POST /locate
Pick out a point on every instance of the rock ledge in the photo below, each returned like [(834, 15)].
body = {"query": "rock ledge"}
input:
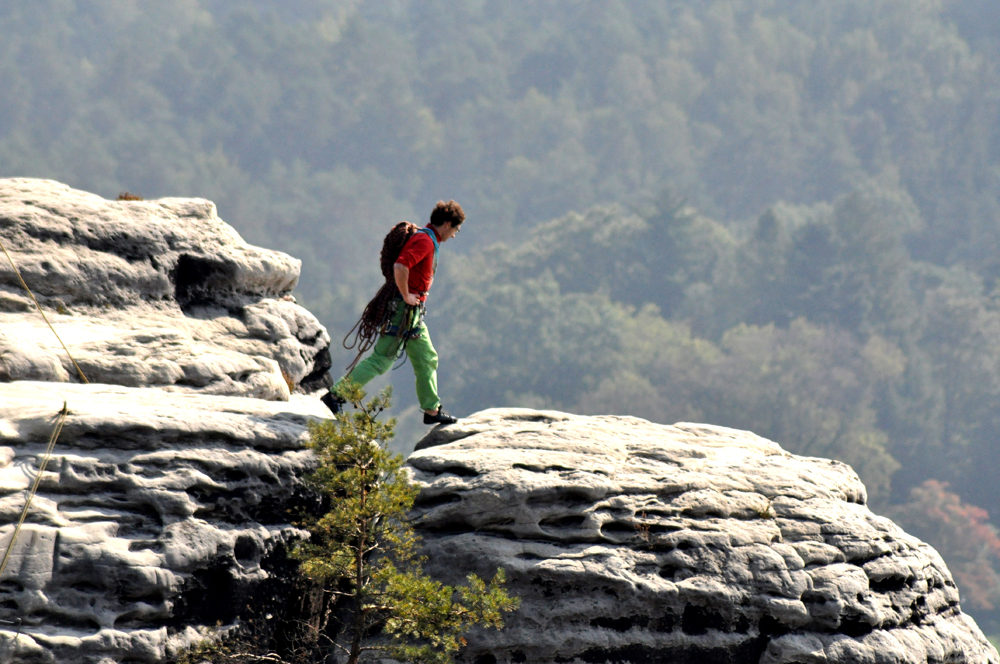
[(635, 542)]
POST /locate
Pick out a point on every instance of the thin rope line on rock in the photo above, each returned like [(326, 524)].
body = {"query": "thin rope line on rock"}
[(55, 432), (44, 317), (34, 486)]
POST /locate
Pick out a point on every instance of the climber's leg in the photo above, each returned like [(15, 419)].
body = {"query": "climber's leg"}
[(424, 359), (383, 356)]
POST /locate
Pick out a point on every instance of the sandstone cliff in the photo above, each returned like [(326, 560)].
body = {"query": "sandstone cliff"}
[(174, 474), (635, 542)]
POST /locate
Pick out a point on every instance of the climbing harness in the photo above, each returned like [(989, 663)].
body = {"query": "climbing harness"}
[(60, 421), (410, 328), (408, 331)]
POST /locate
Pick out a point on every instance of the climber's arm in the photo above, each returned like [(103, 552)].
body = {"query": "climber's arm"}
[(402, 274)]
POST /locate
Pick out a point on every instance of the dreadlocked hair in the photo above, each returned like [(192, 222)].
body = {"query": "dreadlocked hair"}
[(376, 315)]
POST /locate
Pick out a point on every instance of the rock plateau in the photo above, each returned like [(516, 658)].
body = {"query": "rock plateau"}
[(150, 294), (629, 541)]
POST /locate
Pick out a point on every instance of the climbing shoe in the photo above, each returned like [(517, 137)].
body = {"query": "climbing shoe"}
[(333, 402), (440, 417)]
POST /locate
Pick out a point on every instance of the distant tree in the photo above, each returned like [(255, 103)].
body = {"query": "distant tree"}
[(962, 535), (961, 341), (525, 341), (365, 552), (844, 264)]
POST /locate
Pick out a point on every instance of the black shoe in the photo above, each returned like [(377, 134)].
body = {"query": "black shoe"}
[(440, 418), (333, 402)]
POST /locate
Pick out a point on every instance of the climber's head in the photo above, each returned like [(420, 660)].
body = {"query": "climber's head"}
[(447, 218)]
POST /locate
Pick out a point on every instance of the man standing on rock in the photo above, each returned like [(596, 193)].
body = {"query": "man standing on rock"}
[(396, 315)]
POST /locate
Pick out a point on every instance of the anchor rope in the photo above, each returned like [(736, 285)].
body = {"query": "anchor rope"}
[(47, 456), (34, 486), (44, 317)]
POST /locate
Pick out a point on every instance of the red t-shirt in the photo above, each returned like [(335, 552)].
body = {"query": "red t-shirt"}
[(418, 256)]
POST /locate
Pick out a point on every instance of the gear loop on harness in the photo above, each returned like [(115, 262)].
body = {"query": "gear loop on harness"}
[(410, 328), (407, 330)]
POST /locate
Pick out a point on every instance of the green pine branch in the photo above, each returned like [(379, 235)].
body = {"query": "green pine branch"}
[(364, 550)]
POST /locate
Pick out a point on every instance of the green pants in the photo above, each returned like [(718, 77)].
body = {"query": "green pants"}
[(422, 356)]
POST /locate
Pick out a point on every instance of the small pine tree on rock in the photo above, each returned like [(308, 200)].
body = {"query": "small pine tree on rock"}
[(364, 550)]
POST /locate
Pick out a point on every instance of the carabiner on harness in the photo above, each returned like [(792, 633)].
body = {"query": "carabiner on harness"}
[(410, 327)]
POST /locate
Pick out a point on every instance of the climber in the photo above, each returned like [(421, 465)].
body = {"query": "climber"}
[(393, 321)]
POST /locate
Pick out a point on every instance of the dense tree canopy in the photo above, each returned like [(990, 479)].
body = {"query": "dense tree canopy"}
[(302, 118), (768, 214)]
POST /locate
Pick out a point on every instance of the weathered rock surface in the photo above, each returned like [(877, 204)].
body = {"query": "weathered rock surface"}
[(634, 542), (149, 293), (151, 520), (173, 477)]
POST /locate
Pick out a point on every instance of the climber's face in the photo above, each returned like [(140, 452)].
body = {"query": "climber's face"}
[(446, 231)]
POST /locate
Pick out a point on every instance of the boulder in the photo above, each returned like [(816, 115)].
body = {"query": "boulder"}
[(629, 541), (175, 478), (149, 293)]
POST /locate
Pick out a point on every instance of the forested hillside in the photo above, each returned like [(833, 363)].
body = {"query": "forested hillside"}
[(768, 214)]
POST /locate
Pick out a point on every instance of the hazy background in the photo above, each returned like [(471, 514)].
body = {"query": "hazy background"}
[(766, 214)]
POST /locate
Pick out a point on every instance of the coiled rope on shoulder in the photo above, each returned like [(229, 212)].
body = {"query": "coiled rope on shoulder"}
[(376, 315)]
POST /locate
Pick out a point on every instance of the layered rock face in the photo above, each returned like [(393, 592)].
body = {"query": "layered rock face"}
[(175, 471), (149, 293), (152, 519), (634, 542)]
